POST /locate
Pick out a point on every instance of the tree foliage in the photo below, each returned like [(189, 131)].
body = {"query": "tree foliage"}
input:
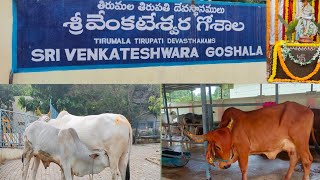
[(128, 100), (6, 97), (155, 105), (187, 95)]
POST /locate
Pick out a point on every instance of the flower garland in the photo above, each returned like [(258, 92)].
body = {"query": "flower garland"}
[(276, 20), (312, 4), (274, 61), (287, 53), (292, 80), (286, 17), (277, 51), (318, 37), (294, 9)]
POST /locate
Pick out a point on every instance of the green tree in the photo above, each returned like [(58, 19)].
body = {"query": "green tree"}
[(6, 97), (128, 100), (155, 105)]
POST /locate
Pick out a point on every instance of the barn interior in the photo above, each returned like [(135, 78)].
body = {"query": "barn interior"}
[(182, 159)]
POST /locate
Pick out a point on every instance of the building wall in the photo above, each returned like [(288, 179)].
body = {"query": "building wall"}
[(227, 73), (9, 154), (5, 40)]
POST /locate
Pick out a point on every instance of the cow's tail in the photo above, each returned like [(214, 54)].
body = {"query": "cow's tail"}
[(129, 149), (316, 145)]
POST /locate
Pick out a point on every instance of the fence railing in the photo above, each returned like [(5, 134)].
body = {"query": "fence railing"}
[(12, 127)]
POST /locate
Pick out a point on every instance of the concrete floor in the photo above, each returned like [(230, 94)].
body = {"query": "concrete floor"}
[(260, 168)]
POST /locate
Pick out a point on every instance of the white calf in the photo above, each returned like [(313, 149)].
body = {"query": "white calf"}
[(110, 132), (63, 147)]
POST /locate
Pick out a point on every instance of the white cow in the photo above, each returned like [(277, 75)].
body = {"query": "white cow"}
[(111, 132), (63, 147), (178, 123)]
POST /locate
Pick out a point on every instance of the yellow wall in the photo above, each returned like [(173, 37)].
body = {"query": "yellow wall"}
[(5, 39), (228, 73)]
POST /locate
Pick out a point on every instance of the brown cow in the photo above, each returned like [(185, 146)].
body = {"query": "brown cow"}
[(270, 130), (316, 127)]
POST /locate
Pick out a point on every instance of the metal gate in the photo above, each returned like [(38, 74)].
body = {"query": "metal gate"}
[(12, 127)]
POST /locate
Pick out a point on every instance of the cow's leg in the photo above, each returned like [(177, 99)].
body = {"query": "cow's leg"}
[(114, 162), (62, 175), (67, 171), (302, 146), (243, 163), (36, 162), (306, 159), (26, 164), (123, 163), (26, 157), (293, 162)]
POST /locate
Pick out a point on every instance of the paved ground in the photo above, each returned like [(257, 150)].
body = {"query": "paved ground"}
[(144, 165), (259, 169)]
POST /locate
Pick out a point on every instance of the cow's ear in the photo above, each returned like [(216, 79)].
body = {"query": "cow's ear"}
[(230, 125), (93, 156)]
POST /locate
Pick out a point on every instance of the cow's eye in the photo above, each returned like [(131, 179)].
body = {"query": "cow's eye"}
[(217, 147)]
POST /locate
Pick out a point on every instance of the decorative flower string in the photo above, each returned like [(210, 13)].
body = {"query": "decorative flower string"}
[(292, 80), (276, 20), (312, 4), (286, 15), (294, 9), (318, 37), (286, 52), (274, 61), (286, 70)]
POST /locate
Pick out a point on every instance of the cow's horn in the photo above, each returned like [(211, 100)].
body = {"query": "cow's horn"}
[(49, 114), (195, 138), (230, 124)]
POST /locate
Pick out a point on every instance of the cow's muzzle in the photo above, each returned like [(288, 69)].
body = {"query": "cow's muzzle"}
[(226, 166)]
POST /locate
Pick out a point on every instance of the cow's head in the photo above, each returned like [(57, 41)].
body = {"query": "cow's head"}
[(220, 145), (44, 118), (100, 157)]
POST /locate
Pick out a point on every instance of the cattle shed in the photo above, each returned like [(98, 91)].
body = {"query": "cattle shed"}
[(211, 108)]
